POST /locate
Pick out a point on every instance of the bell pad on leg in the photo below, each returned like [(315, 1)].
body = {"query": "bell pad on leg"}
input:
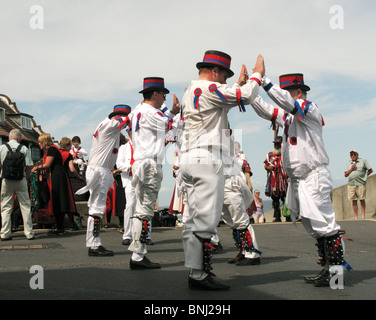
[(243, 240), (207, 254), (144, 231), (97, 226)]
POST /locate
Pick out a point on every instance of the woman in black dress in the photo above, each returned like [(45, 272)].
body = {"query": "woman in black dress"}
[(53, 161), (65, 147)]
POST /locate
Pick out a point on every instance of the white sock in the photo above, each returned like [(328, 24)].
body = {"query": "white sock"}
[(198, 274), (137, 256)]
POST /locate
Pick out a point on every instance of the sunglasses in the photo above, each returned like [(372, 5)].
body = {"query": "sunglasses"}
[(164, 96)]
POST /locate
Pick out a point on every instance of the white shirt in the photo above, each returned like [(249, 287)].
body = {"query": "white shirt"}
[(149, 127), (80, 152), (302, 144), (105, 144), (207, 125), (123, 162)]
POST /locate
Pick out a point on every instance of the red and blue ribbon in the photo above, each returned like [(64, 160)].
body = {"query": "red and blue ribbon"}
[(240, 100), (213, 88), (197, 92), (123, 122), (138, 122), (96, 132), (170, 121)]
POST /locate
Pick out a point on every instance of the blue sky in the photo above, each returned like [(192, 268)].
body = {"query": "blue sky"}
[(93, 54)]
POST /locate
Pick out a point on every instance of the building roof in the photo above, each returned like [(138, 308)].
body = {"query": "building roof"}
[(13, 121)]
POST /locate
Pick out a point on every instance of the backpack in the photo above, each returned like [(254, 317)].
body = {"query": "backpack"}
[(13, 164)]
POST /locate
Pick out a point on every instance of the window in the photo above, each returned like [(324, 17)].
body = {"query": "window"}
[(2, 115), (25, 122), (35, 153)]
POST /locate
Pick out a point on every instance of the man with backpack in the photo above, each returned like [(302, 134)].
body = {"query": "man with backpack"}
[(15, 159)]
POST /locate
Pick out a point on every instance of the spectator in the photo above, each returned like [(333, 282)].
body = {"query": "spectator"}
[(258, 208), (78, 154), (65, 147), (53, 161), (10, 188), (357, 170)]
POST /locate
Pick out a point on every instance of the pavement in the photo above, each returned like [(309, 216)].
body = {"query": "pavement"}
[(58, 267)]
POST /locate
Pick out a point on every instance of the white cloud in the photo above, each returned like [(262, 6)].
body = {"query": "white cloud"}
[(355, 117), (94, 49)]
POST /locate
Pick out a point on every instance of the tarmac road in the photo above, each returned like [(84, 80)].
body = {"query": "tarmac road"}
[(288, 254)]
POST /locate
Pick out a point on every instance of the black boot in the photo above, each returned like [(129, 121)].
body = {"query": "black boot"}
[(317, 277), (323, 280), (322, 260), (208, 283)]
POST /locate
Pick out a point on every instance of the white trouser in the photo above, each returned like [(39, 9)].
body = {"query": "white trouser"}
[(99, 180), (130, 196), (309, 196), (10, 188), (146, 194), (182, 191), (204, 181), (234, 209)]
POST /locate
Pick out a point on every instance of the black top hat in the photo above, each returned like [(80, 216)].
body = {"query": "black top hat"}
[(213, 58), (292, 81), (120, 109), (154, 84)]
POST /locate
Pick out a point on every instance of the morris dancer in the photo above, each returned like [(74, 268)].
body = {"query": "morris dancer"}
[(305, 161), (124, 163), (276, 186), (205, 106), (103, 154), (237, 198), (149, 126)]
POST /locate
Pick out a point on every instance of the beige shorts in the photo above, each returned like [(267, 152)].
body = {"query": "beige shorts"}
[(356, 192)]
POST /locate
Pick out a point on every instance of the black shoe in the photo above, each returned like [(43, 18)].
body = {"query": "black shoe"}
[(239, 256), (207, 284), (324, 280), (145, 263), (217, 248), (55, 232), (100, 252), (248, 261), (126, 242), (314, 278)]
